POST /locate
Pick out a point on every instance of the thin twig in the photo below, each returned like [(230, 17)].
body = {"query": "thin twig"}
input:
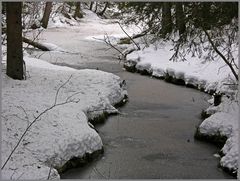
[(220, 54), (37, 118), (138, 47), (20, 176), (41, 30), (56, 96), (49, 172), (96, 170), (108, 42)]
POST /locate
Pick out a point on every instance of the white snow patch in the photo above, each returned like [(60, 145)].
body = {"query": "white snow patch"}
[(224, 122), (207, 75), (53, 47), (61, 133), (210, 75)]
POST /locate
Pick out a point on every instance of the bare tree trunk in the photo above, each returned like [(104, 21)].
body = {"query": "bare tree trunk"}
[(166, 19), (46, 15), (91, 6), (64, 11), (180, 18), (70, 9), (103, 11), (4, 5), (14, 41), (78, 13), (96, 6)]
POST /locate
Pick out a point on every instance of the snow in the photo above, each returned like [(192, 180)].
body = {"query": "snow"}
[(210, 75), (207, 75), (61, 133), (224, 121), (53, 47), (53, 140)]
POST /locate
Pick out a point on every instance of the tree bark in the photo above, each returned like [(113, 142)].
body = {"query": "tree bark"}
[(78, 13), (91, 6), (180, 18), (4, 7), (14, 41), (46, 15), (96, 6), (166, 19), (103, 11), (35, 44)]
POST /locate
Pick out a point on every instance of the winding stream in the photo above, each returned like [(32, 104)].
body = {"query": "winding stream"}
[(153, 137)]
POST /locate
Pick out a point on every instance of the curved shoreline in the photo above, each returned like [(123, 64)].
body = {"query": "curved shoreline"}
[(218, 140), (89, 157)]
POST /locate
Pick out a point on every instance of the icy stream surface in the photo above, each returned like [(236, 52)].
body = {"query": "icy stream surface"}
[(153, 137)]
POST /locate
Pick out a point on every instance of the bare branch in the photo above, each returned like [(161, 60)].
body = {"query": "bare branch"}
[(56, 96), (221, 55), (108, 42), (138, 47), (97, 171), (49, 172), (38, 118)]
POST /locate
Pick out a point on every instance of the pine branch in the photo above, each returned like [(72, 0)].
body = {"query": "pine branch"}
[(220, 54)]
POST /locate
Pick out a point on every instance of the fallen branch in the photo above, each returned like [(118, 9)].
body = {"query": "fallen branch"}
[(39, 32), (140, 34), (35, 44), (37, 118)]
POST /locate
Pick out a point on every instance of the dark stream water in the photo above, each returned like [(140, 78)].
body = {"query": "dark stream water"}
[(154, 135)]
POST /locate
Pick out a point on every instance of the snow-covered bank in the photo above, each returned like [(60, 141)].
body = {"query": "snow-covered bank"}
[(208, 76), (62, 132), (223, 124)]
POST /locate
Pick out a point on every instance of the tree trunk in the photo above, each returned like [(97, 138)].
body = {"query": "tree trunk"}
[(103, 11), (46, 15), (14, 41), (96, 6), (78, 13), (91, 6), (180, 18), (63, 10), (4, 5), (166, 19)]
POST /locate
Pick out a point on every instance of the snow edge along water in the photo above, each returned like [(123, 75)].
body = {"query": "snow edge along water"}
[(52, 139), (221, 124)]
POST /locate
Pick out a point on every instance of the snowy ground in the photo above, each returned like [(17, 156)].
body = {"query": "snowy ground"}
[(62, 132), (205, 75), (224, 122), (95, 90)]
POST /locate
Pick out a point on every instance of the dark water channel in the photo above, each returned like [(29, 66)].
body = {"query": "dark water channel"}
[(153, 137)]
